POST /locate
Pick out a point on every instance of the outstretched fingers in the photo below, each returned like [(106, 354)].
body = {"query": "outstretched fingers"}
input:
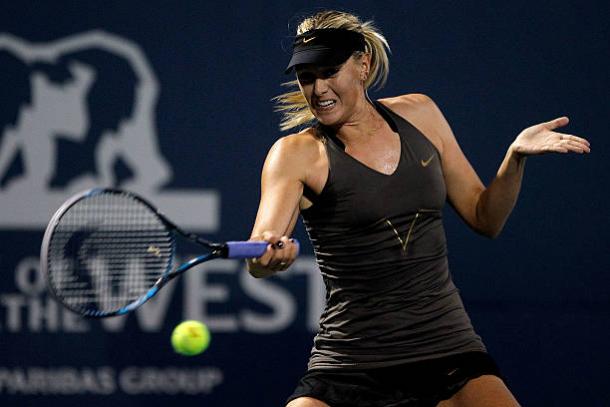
[(541, 139), (570, 143)]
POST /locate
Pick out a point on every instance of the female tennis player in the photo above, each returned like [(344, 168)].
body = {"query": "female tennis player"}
[(370, 179)]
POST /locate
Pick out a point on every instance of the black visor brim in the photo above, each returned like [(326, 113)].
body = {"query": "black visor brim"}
[(322, 56), (326, 47)]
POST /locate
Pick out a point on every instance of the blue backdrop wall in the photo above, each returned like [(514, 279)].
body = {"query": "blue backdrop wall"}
[(172, 99)]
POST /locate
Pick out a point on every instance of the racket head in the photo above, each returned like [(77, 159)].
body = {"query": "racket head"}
[(105, 251)]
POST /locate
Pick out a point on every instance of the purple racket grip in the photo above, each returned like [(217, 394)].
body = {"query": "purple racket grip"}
[(246, 250)]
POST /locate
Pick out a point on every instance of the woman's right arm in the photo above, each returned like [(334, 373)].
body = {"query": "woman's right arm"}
[(284, 175)]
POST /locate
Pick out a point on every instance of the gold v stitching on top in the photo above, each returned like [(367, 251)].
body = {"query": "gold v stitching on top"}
[(405, 243)]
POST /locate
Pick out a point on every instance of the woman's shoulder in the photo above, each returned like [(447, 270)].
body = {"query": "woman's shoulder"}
[(410, 104), (298, 156), (421, 111), (307, 140), (302, 147)]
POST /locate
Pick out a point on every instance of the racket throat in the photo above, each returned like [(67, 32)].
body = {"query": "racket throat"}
[(194, 261)]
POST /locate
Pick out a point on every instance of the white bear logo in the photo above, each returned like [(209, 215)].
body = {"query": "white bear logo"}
[(59, 91)]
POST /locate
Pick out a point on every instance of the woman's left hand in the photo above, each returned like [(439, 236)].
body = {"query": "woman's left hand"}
[(542, 138)]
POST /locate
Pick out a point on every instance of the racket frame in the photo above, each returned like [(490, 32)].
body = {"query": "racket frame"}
[(218, 250)]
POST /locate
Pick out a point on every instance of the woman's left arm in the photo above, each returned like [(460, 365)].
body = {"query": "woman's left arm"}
[(498, 200), (486, 209)]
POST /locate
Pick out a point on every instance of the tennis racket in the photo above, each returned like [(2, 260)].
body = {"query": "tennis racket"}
[(106, 252)]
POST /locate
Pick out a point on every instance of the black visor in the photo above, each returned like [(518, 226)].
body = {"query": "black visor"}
[(326, 46)]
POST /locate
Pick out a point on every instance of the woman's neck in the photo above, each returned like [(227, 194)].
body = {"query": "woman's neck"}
[(363, 124)]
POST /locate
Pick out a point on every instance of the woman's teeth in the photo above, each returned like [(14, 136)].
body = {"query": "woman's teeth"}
[(324, 104)]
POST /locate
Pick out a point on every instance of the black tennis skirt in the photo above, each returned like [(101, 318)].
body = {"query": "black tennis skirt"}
[(417, 384)]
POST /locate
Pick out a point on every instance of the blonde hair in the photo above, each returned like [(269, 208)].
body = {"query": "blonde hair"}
[(293, 105)]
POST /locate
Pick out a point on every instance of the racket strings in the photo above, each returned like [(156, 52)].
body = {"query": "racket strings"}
[(107, 251)]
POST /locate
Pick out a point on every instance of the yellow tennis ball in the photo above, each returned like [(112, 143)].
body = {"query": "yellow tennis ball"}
[(190, 338)]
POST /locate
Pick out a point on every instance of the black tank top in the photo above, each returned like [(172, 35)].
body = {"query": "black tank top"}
[(380, 244)]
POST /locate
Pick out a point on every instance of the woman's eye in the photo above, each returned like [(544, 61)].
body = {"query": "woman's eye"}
[(305, 78), (330, 72)]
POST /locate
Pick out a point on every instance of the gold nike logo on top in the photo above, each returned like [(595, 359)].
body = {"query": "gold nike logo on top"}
[(425, 163), (306, 40)]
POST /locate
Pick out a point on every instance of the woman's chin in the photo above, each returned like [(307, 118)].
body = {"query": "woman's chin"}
[(327, 118)]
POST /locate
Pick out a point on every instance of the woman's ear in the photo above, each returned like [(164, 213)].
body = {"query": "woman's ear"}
[(365, 66)]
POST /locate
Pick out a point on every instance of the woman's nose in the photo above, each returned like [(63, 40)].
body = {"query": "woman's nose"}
[(320, 86)]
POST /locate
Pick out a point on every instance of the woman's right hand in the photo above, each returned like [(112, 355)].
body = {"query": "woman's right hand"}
[(281, 253)]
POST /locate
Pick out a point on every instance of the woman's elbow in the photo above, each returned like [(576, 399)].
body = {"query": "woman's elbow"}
[(489, 231), (485, 225)]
